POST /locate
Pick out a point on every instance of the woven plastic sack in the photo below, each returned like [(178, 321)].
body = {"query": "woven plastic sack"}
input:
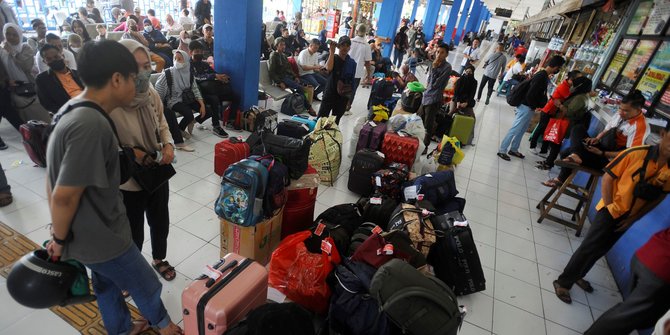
[(325, 154), (397, 123)]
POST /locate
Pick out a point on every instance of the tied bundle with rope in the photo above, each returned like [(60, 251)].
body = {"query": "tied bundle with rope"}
[(325, 154)]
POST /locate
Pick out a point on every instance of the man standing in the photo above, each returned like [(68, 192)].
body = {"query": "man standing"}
[(341, 69), (432, 96), (470, 55), (494, 68), (203, 13), (58, 84), (308, 62), (89, 222), (361, 53), (535, 97), (633, 184)]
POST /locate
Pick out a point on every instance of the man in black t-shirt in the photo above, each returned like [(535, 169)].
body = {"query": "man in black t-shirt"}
[(341, 68)]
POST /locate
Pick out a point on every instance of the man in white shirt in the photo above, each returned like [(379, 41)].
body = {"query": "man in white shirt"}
[(68, 56), (361, 53), (471, 55), (308, 61), (184, 18)]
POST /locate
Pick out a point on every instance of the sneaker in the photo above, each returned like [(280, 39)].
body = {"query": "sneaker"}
[(487, 101), (218, 131), (535, 151), (315, 98), (3, 146), (185, 147), (504, 156)]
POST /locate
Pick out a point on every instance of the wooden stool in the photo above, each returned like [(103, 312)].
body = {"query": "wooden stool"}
[(583, 194)]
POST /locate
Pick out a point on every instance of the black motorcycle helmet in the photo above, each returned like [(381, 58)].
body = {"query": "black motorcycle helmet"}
[(37, 282)]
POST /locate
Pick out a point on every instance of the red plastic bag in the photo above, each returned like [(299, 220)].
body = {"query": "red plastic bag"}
[(556, 130), (300, 274)]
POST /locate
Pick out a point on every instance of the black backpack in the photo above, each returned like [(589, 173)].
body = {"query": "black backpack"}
[(275, 190), (294, 153), (518, 94), (411, 101), (377, 209), (293, 104), (352, 310), (382, 90), (339, 222), (276, 319)]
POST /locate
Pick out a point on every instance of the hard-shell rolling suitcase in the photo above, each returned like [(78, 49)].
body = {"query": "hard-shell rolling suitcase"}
[(371, 136), (363, 165), (400, 148), (292, 128), (227, 152), (211, 304), (300, 204), (306, 120), (455, 259), (32, 133), (463, 128)]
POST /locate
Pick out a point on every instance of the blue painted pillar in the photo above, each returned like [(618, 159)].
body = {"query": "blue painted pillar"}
[(461, 22), (430, 17), (480, 19), (238, 54), (386, 28), (297, 7), (415, 7), (474, 16), (378, 11), (451, 21)]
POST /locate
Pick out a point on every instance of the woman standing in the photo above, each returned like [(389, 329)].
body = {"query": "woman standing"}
[(178, 88), (143, 126), (400, 46)]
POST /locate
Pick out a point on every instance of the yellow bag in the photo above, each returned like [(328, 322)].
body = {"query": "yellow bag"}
[(458, 156)]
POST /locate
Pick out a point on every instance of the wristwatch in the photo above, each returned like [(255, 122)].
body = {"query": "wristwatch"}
[(57, 240)]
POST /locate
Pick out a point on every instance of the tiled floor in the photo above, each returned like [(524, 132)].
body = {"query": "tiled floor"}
[(520, 257)]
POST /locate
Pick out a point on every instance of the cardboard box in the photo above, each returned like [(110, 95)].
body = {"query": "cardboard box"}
[(256, 242)]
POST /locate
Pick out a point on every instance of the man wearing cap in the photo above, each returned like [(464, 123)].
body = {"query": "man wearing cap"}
[(342, 70), (138, 13), (207, 40), (361, 53), (158, 44)]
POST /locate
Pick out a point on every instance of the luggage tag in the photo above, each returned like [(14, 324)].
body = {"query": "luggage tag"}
[(401, 134), (215, 266), (460, 223), (378, 181), (376, 200), (372, 124), (381, 154), (410, 192), (319, 229), (377, 230), (426, 212), (387, 250), (326, 247), (305, 126)]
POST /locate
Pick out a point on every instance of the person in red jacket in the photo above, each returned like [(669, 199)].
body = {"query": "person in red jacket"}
[(649, 298), (521, 49)]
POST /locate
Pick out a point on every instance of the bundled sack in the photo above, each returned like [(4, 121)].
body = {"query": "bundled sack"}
[(418, 304), (415, 220), (242, 190), (389, 181), (397, 122), (352, 310), (294, 153), (279, 319), (426, 164), (449, 151), (325, 154), (301, 274), (275, 192), (438, 188)]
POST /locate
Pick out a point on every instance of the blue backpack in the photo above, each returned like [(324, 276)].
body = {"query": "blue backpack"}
[(276, 194), (242, 190)]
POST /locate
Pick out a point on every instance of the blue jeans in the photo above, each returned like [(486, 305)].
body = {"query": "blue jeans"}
[(397, 57), (4, 186), (130, 272), (523, 115), (317, 80)]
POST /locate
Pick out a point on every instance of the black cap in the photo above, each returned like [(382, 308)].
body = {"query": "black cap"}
[(344, 40)]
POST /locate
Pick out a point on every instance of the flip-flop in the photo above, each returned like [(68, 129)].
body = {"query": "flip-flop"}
[(571, 160), (584, 285), (552, 182), (504, 156), (562, 293), (516, 154)]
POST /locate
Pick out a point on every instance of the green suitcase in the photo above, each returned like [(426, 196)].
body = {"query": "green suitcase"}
[(463, 128)]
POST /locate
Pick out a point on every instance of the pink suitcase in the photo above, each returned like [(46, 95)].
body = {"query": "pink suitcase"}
[(211, 306)]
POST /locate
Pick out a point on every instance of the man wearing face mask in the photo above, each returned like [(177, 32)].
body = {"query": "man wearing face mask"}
[(158, 44), (68, 56), (58, 84)]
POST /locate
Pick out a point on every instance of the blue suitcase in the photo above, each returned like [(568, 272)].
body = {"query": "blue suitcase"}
[(306, 120), (242, 190)]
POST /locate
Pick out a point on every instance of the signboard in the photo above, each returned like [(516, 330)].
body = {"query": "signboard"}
[(658, 18), (618, 61), (636, 65), (640, 17), (502, 12), (656, 74)]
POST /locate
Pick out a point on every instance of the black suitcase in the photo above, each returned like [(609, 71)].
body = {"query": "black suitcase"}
[(454, 257), (365, 163), (293, 129)]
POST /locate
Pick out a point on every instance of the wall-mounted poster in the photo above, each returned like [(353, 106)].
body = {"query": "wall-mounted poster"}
[(635, 66), (664, 104), (618, 61), (658, 18), (656, 74), (640, 17)]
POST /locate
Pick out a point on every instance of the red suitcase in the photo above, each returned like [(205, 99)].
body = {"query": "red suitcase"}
[(400, 148), (228, 152), (299, 208), (211, 306)]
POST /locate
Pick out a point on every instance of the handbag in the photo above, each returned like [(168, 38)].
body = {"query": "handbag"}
[(556, 130), (152, 177), (25, 89), (344, 90), (188, 97)]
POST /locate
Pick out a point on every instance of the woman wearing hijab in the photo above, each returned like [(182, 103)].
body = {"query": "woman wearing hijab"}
[(575, 109), (181, 94), (184, 41), (278, 31), (74, 44), (79, 28), (299, 42), (265, 46), (18, 59), (143, 127), (134, 34)]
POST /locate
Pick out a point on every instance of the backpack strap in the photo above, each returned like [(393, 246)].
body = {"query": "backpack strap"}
[(92, 105), (168, 77)]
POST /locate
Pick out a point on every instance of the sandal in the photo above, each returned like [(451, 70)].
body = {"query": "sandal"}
[(139, 326), (584, 285), (552, 182), (504, 156), (167, 269), (562, 293), (516, 154), (571, 159)]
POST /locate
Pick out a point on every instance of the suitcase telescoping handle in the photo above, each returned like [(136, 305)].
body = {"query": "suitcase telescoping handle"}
[(229, 266)]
